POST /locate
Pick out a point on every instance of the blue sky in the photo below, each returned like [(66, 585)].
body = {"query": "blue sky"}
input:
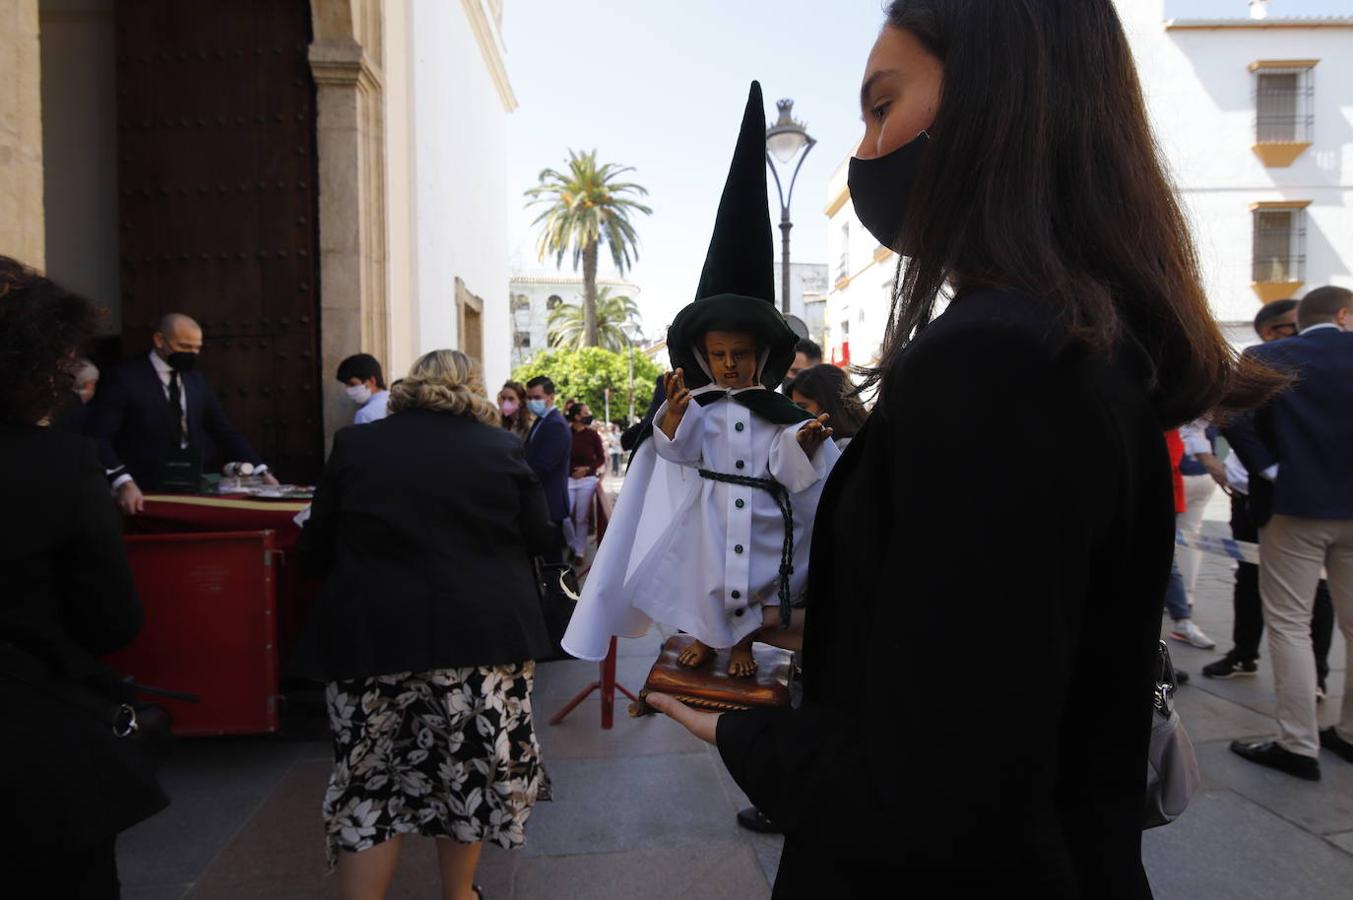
[(661, 87)]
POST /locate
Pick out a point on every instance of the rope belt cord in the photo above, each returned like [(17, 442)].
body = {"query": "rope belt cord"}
[(781, 495)]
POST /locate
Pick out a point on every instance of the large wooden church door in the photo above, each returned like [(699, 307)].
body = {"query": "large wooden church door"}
[(218, 205)]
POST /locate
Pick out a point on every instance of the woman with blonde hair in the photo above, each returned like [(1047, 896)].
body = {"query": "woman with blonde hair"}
[(424, 524)]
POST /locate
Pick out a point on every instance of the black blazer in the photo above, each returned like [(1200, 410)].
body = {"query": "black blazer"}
[(66, 596), (984, 600), (136, 431), (1307, 430), (424, 524), (548, 448), (74, 418)]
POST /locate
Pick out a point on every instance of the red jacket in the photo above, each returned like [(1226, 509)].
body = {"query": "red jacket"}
[(1175, 444)]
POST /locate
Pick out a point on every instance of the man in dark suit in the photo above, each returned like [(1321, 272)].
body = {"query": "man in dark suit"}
[(548, 446), (1299, 448), (1276, 321), (157, 407)]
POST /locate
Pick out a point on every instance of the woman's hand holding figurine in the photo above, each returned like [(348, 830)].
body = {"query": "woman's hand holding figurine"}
[(701, 724)]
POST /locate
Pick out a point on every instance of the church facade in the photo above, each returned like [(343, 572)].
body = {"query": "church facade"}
[(292, 173)]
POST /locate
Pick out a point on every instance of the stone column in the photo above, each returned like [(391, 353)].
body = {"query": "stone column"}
[(22, 225), (350, 126)]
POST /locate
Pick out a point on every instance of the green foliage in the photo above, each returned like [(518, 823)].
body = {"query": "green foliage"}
[(568, 328), (586, 373), (584, 207)]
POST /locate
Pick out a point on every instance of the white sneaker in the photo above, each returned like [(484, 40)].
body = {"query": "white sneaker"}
[(1184, 630)]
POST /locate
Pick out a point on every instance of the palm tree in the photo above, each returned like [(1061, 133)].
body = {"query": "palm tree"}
[(584, 207), (568, 326)]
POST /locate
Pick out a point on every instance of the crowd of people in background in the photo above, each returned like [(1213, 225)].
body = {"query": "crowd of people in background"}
[(1286, 476)]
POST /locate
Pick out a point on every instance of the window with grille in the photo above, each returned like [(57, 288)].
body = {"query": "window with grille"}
[(522, 340), (1283, 103), (1279, 245)]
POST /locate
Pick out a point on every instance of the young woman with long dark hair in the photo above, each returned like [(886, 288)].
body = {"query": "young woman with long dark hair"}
[(991, 555), (517, 418), (827, 389)]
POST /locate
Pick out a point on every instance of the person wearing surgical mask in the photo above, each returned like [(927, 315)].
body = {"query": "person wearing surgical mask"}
[(364, 384), (158, 411), (1008, 159), (549, 444), (512, 407)]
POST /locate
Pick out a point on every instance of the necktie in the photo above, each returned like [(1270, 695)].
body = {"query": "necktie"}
[(176, 403)]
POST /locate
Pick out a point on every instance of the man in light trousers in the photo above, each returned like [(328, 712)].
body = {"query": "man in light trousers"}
[(1302, 443)]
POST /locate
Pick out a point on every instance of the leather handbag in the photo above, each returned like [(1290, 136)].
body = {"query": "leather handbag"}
[(710, 687), (1171, 765), (558, 587)]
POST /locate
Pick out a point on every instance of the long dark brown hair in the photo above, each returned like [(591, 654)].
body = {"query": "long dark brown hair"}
[(831, 389), (1042, 176), (519, 423)]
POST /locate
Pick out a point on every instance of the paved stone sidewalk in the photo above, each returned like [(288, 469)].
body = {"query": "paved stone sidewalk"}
[(643, 810)]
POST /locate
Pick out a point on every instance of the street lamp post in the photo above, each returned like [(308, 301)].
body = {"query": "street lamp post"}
[(785, 140)]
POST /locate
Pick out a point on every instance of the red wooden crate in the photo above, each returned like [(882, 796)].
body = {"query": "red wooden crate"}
[(210, 628)]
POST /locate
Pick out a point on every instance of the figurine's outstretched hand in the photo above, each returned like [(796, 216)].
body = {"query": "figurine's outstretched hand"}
[(678, 398), (813, 434)]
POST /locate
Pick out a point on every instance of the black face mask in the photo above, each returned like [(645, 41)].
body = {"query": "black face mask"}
[(588, 420), (880, 188), (181, 361)]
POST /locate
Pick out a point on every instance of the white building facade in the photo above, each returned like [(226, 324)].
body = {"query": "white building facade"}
[(807, 294), (1255, 117), (447, 158), (860, 276), (1255, 120), (535, 294)]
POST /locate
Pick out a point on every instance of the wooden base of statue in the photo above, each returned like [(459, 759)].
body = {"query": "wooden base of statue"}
[(710, 687)]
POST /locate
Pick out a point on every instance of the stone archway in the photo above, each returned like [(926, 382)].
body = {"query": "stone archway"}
[(346, 57)]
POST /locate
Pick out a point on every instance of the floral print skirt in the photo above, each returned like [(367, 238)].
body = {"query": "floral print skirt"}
[(449, 753)]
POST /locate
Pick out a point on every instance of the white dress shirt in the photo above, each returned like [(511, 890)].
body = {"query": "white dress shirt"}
[(1194, 436), (165, 371)]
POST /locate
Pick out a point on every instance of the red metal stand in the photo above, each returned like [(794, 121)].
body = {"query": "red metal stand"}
[(607, 685)]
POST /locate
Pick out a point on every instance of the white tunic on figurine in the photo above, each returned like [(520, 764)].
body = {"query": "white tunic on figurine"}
[(683, 548), (696, 554)]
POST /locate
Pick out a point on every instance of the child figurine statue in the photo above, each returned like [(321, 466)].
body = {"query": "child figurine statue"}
[(714, 522)]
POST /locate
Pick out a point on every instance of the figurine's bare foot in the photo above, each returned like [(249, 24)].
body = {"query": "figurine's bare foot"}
[(741, 663), (696, 655)]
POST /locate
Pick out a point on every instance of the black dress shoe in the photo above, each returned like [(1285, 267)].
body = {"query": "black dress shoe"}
[(753, 819), (1331, 741), (1269, 753)]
